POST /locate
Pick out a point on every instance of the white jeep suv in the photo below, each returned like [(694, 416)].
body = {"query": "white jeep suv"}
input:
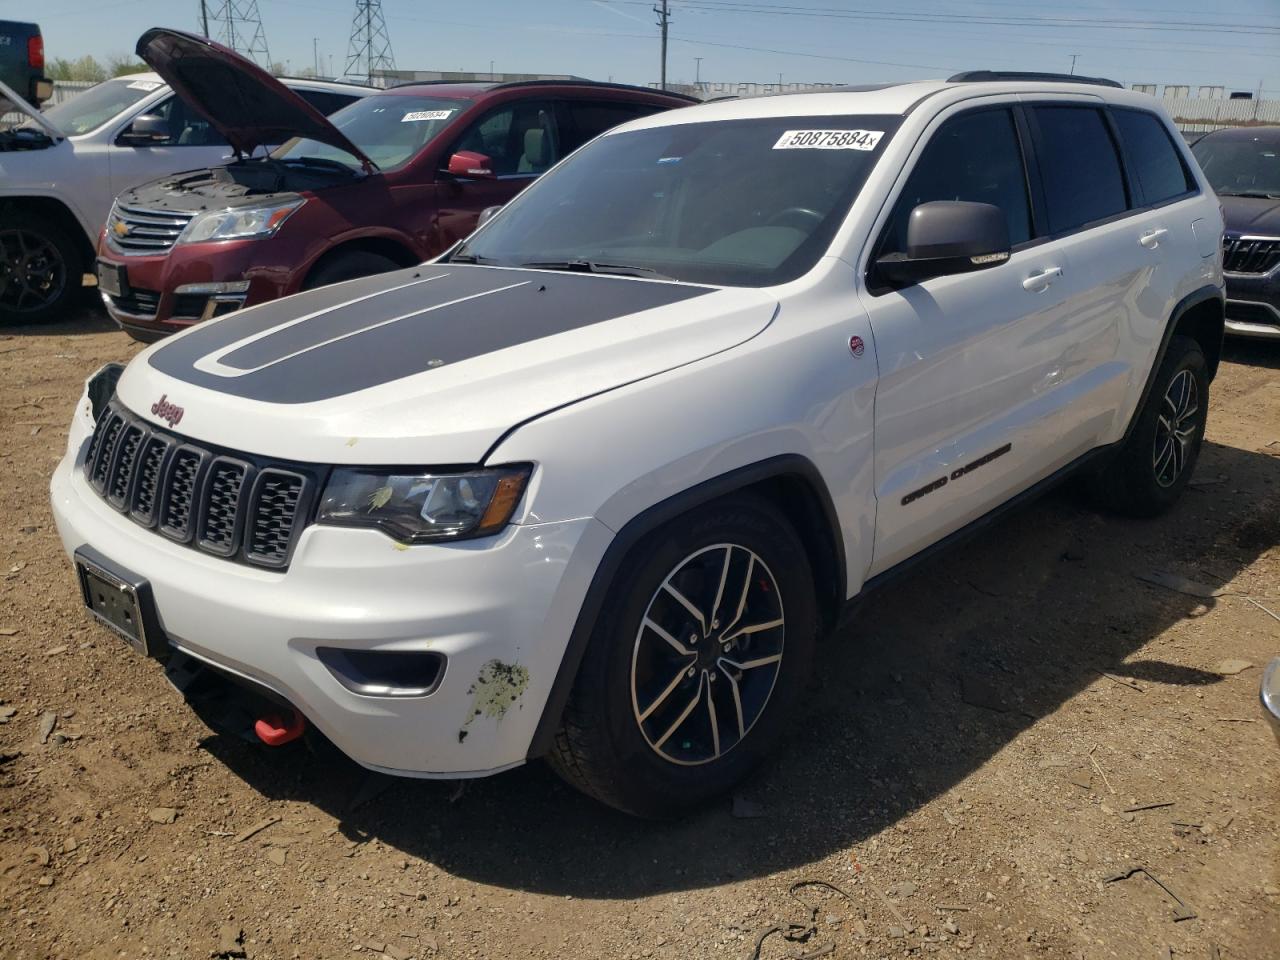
[(61, 168), (593, 485)]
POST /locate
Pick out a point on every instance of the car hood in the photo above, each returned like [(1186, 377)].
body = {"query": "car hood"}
[(429, 365), (247, 105), (11, 102), (1249, 215)]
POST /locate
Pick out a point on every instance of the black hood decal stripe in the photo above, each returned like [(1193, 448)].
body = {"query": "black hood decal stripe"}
[(372, 331)]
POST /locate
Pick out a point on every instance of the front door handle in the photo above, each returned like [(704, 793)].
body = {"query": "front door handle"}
[(1040, 281), (1151, 239)]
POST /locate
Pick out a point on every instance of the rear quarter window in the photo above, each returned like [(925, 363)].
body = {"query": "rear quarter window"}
[(1083, 182), (1153, 159)]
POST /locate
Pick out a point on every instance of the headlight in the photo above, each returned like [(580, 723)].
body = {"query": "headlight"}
[(239, 223), (422, 507)]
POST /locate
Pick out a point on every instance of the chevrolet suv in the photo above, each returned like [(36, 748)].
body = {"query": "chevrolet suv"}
[(592, 485), (60, 169), (392, 181)]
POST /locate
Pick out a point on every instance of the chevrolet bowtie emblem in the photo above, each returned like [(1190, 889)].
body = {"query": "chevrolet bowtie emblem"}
[(121, 228)]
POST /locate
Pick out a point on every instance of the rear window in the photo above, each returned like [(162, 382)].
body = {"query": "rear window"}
[(1153, 159), (1083, 182)]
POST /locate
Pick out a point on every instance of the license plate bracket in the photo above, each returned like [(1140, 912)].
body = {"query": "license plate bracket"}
[(121, 601), (113, 279)]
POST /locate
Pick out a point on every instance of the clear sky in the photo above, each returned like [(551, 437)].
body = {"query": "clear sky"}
[(844, 41)]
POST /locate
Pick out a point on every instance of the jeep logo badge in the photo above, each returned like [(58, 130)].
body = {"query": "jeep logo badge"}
[(170, 413)]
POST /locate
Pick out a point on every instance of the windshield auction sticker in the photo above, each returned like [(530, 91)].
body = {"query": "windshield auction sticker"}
[(829, 140), (147, 85), (417, 115)]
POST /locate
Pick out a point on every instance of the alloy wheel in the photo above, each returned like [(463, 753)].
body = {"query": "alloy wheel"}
[(1176, 427), (32, 272), (707, 654)]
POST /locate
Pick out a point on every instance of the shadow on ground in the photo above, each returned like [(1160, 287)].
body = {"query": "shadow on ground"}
[(1027, 614), (86, 317)]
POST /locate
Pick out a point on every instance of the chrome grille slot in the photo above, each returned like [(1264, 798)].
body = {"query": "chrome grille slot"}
[(179, 496), (220, 516), (139, 230), (1250, 254), (147, 492), (121, 472), (273, 522), (103, 453)]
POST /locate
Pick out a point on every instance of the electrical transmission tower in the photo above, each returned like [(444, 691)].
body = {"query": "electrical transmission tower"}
[(370, 47), (238, 25)]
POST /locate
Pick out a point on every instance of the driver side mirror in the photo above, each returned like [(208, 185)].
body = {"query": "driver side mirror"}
[(470, 165), (946, 237), (146, 130)]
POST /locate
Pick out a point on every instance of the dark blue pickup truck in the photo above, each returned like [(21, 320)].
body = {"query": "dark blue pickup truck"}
[(22, 61)]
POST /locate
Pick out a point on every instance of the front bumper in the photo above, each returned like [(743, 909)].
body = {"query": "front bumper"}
[(190, 283), (499, 610), (1253, 304)]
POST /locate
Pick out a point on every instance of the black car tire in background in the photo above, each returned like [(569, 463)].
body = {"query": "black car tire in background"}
[(41, 267), (348, 266)]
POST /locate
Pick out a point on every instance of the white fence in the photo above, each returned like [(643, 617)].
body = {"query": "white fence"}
[(1195, 115)]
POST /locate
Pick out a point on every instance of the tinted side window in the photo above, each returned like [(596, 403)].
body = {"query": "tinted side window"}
[(1152, 156), (974, 157), (592, 119), (1079, 165), (186, 127), (324, 101), (518, 138)]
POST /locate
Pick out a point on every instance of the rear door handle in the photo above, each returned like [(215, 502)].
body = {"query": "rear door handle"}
[(1151, 239), (1040, 281)]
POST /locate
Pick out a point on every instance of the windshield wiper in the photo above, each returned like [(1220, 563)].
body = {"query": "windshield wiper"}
[(1258, 194), (592, 266), (336, 165), (467, 258)]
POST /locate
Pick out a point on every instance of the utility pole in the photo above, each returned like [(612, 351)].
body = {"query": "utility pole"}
[(697, 72), (204, 18), (664, 21), (490, 69), (1074, 57), (315, 55)]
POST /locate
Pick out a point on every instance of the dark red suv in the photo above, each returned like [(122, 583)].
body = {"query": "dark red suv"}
[(392, 180)]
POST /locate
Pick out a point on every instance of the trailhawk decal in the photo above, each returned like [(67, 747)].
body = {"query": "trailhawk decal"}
[(956, 474), (371, 331)]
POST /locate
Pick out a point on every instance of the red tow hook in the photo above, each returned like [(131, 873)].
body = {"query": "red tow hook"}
[(276, 730)]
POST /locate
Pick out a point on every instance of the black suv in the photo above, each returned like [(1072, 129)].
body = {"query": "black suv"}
[(1243, 166)]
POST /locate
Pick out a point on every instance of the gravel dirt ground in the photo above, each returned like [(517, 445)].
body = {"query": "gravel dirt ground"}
[(987, 742)]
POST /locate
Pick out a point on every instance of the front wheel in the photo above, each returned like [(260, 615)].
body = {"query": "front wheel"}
[(1148, 474), (40, 270), (697, 659)]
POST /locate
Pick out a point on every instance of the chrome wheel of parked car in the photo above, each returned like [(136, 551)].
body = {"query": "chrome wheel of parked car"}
[(33, 274), (1176, 427), (707, 654)]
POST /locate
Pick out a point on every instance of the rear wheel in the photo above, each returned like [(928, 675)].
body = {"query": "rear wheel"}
[(348, 266), (1156, 461), (697, 659), (40, 270)]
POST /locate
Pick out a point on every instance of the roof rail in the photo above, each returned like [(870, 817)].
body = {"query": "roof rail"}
[(593, 83), (985, 76)]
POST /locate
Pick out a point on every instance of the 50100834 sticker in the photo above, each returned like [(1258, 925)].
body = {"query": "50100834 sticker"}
[(829, 140)]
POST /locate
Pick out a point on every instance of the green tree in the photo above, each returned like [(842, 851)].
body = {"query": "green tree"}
[(120, 66)]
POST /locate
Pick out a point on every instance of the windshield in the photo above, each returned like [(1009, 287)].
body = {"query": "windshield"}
[(1240, 167), (91, 109), (389, 128), (733, 202)]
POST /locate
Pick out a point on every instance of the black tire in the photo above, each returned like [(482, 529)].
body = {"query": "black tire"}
[(1139, 481), (41, 269), (348, 266), (602, 747)]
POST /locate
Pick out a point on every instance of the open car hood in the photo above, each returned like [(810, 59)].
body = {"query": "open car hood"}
[(247, 105), (10, 102)]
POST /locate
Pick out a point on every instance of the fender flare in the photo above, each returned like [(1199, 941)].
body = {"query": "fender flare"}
[(642, 525), (1193, 299)]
